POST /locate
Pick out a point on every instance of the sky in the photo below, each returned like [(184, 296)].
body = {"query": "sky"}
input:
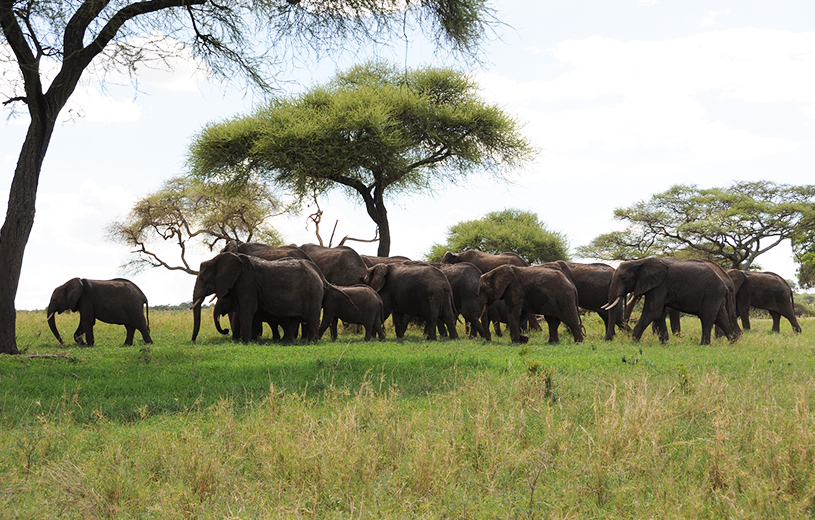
[(623, 98)]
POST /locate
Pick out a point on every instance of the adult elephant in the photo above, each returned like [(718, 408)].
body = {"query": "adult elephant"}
[(484, 261), (464, 278), (340, 265), (288, 287), (763, 290), (592, 282), (264, 251), (532, 290), (371, 261), (116, 301), (690, 286), (361, 305), (414, 289)]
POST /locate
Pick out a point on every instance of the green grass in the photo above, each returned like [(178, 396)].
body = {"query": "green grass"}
[(407, 429)]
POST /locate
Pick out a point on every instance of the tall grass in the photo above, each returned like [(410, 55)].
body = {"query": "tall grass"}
[(408, 429)]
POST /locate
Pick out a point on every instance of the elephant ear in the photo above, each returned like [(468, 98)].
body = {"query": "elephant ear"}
[(73, 292), (449, 258), (650, 274), (563, 266), (377, 275), (738, 277), (227, 273), (502, 277)]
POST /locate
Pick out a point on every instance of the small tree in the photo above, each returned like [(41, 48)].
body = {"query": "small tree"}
[(733, 225), (374, 131), (500, 231), (191, 213)]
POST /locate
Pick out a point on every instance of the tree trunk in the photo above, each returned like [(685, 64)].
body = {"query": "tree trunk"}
[(384, 233), (19, 221)]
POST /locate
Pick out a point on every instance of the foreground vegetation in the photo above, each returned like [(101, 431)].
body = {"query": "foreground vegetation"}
[(407, 429)]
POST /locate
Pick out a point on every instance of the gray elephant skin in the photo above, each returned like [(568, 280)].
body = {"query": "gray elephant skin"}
[(371, 261), (484, 261), (763, 290), (592, 282), (361, 305), (264, 251), (226, 307), (696, 287), (340, 265), (116, 301), (532, 290), (288, 287), (464, 278), (414, 289)]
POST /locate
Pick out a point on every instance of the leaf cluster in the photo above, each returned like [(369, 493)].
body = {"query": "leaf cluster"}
[(186, 211), (734, 225), (513, 230), (373, 128)]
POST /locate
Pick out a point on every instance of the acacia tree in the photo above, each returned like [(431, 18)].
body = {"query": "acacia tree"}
[(513, 230), (373, 131), (234, 38), (735, 225), (189, 213)]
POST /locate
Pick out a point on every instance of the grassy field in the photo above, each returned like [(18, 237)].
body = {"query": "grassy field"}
[(407, 429)]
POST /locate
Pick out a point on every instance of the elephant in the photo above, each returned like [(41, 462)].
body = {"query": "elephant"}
[(690, 286), (288, 287), (362, 305), (415, 289), (592, 282), (672, 315), (116, 301), (763, 290), (497, 314), (340, 265), (464, 278), (371, 261), (264, 251), (225, 306), (533, 290), (484, 261)]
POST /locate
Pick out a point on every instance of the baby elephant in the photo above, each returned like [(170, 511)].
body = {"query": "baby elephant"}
[(363, 306), (117, 301)]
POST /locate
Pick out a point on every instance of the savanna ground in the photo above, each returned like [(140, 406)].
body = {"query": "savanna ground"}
[(407, 429)]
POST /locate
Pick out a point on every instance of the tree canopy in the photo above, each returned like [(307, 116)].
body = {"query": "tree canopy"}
[(52, 43), (188, 213), (733, 225), (374, 131), (513, 230)]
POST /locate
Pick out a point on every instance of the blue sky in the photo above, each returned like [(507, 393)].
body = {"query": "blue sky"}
[(623, 98)]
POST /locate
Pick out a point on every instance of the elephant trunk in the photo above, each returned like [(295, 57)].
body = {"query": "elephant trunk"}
[(196, 318), (217, 319), (52, 324)]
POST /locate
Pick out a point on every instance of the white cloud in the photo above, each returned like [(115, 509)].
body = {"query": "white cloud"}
[(618, 96), (711, 17)]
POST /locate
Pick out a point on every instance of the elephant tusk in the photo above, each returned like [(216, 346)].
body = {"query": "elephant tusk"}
[(50, 316), (609, 306), (213, 298), (630, 300), (196, 303)]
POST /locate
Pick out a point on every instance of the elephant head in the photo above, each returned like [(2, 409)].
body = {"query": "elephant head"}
[(217, 275), (65, 297), (493, 285), (377, 276), (636, 277), (450, 258)]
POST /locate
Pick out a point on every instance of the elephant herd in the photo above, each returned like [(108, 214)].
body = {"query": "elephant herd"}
[(306, 290)]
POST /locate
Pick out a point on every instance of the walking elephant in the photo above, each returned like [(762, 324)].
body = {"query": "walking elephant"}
[(763, 290), (288, 287), (532, 290), (484, 261), (690, 286), (340, 265), (414, 289), (361, 305), (592, 282), (464, 278), (116, 301)]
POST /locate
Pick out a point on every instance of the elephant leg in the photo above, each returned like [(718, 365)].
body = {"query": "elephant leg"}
[(430, 327), (790, 315), (399, 324), (745, 319), (650, 312), (676, 327), (554, 323), (327, 322), (660, 328), (776, 316), (79, 333), (514, 326), (497, 326), (131, 331), (145, 333)]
